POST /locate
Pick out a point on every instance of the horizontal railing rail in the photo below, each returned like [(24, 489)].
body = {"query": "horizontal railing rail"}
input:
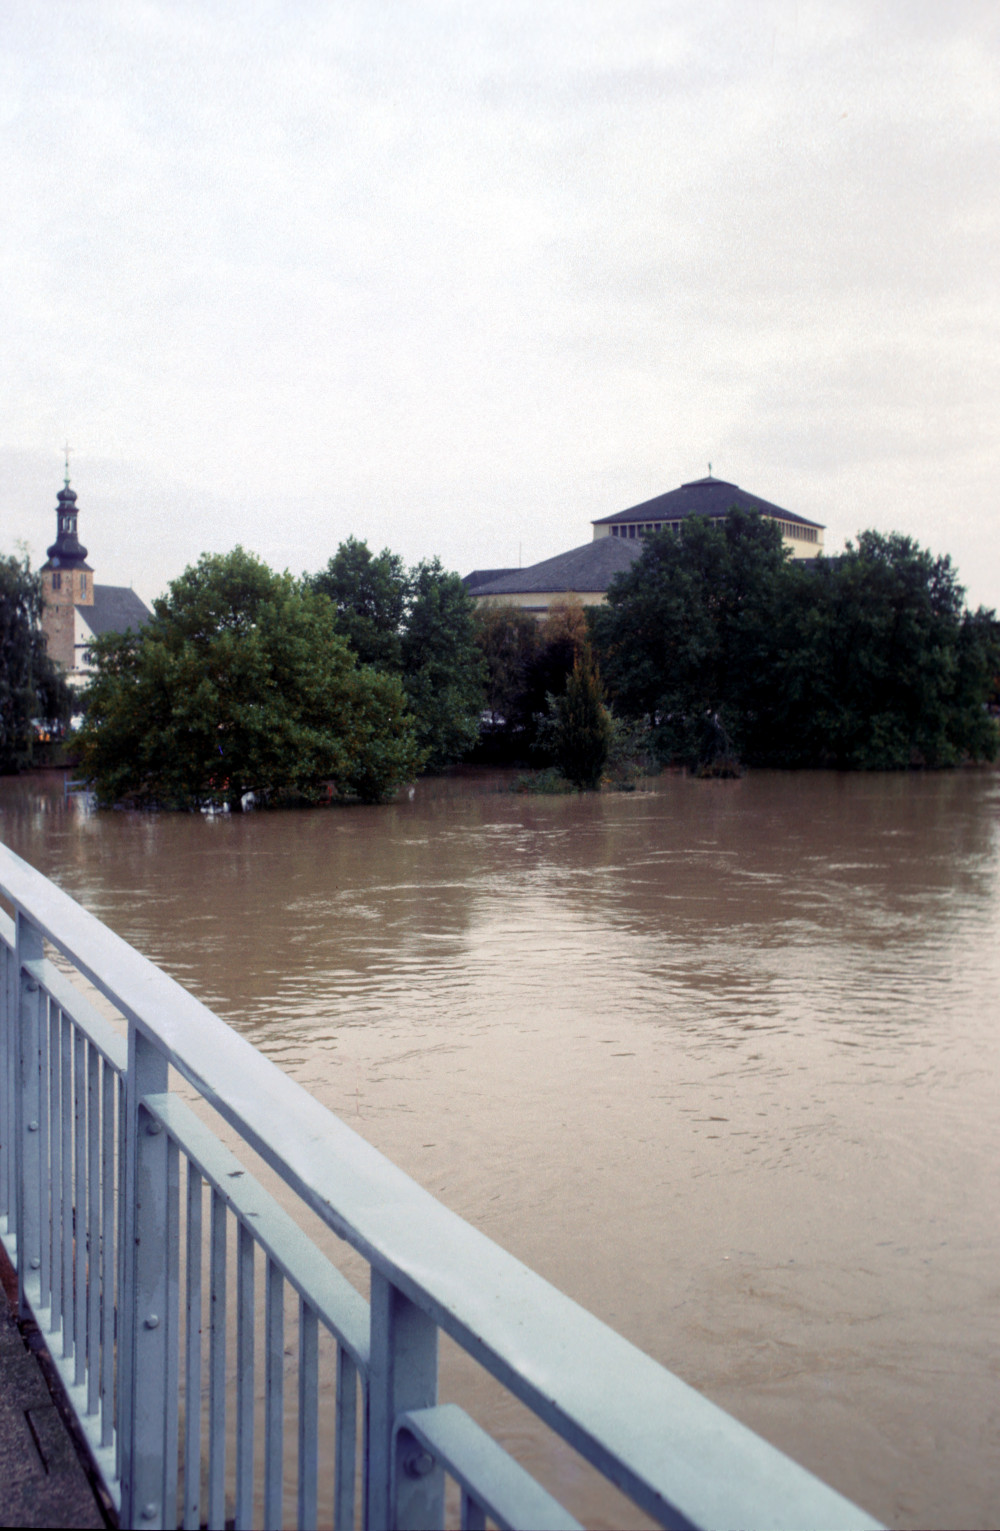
[(118, 1198)]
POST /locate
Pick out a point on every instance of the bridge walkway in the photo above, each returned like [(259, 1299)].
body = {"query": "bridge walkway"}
[(42, 1480)]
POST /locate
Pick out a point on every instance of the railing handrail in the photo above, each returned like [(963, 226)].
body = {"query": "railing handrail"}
[(601, 1393)]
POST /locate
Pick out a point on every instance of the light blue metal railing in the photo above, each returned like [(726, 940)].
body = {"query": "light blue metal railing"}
[(127, 1217)]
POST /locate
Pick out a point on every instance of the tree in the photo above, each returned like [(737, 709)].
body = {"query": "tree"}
[(31, 688), (444, 672), (687, 635), (868, 661), (417, 625), (527, 663), (240, 683), (580, 729), (370, 592), (508, 639), (889, 669), (561, 640)]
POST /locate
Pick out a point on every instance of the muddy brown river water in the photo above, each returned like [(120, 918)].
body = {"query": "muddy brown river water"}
[(719, 1059)]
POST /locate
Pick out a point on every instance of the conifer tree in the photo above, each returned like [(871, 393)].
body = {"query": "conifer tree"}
[(581, 725)]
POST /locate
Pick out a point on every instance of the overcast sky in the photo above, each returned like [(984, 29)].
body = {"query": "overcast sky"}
[(457, 278)]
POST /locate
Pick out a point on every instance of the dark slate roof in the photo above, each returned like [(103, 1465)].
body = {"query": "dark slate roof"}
[(584, 570), (483, 577), (116, 608), (710, 497)]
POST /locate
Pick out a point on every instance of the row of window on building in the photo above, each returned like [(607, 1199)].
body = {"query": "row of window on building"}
[(647, 528), (644, 528)]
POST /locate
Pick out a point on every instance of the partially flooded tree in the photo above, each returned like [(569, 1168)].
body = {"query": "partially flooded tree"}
[(580, 729), (241, 683), (868, 661), (443, 671)]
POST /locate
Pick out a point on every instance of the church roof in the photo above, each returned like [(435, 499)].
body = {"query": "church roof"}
[(709, 497), (479, 577), (116, 608), (583, 570)]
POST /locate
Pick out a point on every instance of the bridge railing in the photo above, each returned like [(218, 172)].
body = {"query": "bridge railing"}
[(169, 1285)]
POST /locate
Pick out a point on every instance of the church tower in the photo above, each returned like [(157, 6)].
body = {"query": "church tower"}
[(67, 582)]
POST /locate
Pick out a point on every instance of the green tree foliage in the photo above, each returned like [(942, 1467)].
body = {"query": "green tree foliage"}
[(508, 639), (241, 683), (443, 668), (416, 625), (31, 688), (868, 661), (686, 638), (880, 666), (527, 663), (371, 594), (562, 637), (580, 729)]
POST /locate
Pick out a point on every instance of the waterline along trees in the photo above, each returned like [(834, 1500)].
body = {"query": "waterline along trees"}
[(241, 683), (867, 661)]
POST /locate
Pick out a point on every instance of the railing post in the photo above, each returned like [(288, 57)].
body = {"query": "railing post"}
[(27, 1137), (8, 1032), (406, 1494), (145, 1300)]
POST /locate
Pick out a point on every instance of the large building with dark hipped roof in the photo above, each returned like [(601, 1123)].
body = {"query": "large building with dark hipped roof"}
[(76, 610), (584, 573)]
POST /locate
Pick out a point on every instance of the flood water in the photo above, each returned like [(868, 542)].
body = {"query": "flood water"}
[(719, 1059)]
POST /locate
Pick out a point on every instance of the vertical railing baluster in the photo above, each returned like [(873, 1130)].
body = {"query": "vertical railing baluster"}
[(473, 1514), (244, 1378), (108, 1242), (308, 1415), (122, 1353), (143, 1302), (80, 1207), (274, 1398), (172, 1307), (12, 991), (345, 1441), (6, 1114), (13, 1091), (45, 1175), (402, 1375), (66, 1144), (27, 1136), (93, 1230), (55, 1162), (192, 1351), (217, 1367)]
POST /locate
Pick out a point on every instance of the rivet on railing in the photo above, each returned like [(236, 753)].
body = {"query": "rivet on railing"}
[(418, 1464), (149, 1511), (153, 1128), (152, 1321), (32, 1126), (34, 1262), (31, 986)]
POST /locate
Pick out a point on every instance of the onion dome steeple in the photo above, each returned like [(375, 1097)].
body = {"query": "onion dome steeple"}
[(67, 552)]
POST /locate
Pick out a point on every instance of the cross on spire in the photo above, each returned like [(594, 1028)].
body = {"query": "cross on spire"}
[(67, 449)]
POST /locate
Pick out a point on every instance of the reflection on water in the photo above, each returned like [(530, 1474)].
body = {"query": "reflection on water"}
[(719, 1059)]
